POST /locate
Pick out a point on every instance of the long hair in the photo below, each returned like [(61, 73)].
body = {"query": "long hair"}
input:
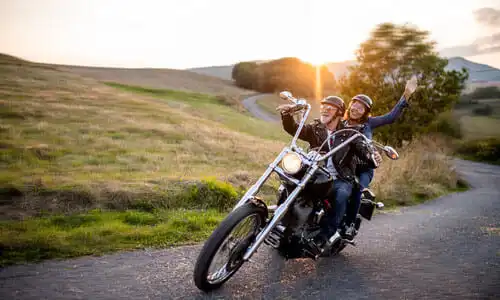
[(364, 117)]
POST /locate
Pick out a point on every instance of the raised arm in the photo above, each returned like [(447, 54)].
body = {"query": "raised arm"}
[(389, 117)]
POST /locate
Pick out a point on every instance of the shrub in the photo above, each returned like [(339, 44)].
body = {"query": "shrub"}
[(447, 125), (484, 150), (484, 110)]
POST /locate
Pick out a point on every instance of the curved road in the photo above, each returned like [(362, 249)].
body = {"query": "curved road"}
[(250, 104), (447, 248)]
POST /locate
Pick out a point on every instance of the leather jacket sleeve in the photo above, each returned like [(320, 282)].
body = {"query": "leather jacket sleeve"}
[(363, 152), (290, 126)]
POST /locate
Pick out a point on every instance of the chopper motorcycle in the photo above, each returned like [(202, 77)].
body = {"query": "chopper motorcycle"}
[(291, 224)]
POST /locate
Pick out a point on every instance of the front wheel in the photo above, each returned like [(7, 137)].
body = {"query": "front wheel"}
[(234, 235)]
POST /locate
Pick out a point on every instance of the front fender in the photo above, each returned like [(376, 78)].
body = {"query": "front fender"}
[(257, 201)]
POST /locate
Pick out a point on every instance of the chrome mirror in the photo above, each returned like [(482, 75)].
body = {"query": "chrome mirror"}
[(391, 153), (285, 95)]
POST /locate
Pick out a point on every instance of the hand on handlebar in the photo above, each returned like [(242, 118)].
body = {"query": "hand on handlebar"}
[(284, 108)]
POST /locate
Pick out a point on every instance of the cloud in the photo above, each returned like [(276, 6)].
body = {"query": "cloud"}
[(484, 45), (488, 16)]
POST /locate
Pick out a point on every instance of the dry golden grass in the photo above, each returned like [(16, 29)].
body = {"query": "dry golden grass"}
[(423, 171), (161, 78), (70, 143), (63, 132)]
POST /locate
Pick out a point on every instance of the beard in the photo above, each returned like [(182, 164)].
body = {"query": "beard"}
[(326, 119)]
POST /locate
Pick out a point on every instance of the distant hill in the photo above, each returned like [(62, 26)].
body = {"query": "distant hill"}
[(223, 72), (478, 73)]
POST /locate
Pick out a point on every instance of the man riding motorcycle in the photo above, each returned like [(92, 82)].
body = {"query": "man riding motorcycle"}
[(342, 164)]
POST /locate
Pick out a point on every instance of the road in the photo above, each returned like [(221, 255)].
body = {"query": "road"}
[(447, 248), (250, 104)]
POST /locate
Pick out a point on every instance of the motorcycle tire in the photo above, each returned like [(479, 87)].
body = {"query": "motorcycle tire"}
[(215, 240)]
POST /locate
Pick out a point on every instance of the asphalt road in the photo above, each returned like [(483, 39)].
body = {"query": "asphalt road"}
[(250, 104), (446, 248)]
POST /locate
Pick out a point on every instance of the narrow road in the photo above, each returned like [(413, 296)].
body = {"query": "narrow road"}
[(447, 248), (251, 105)]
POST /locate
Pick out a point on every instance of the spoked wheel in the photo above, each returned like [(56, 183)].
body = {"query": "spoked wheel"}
[(222, 254)]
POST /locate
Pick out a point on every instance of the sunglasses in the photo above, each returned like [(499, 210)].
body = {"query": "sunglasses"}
[(327, 108)]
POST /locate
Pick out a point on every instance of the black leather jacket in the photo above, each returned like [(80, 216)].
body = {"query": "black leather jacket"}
[(346, 159)]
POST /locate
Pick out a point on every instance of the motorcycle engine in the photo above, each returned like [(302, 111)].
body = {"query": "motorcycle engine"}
[(302, 211)]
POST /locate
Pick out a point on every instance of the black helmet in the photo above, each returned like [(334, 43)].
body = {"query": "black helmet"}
[(367, 101), (335, 101)]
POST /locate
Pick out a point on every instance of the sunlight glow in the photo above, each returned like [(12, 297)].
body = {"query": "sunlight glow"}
[(127, 33)]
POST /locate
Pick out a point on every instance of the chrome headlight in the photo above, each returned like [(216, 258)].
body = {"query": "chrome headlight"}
[(291, 163)]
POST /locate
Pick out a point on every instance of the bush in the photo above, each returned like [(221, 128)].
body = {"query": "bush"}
[(39, 199), (447, 125), (483, 150), (489, 92), (484, 110), (423, 171)]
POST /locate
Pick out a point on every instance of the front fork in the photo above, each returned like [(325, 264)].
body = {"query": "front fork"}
[(280, 210)]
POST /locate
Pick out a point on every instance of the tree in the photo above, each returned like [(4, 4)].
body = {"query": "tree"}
[(288, 73), (386, 60), (245, 75)]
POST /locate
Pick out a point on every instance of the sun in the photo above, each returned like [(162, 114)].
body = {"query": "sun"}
[(317, 61)]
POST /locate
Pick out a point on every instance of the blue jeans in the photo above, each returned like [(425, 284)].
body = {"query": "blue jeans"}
[(364, 180), (342, 190)]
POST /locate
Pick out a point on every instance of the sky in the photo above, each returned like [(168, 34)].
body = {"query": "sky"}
[(195, 33)]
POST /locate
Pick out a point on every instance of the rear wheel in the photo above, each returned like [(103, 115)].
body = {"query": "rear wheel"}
[(222, 254)]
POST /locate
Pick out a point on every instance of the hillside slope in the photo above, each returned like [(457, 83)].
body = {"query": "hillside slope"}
[(159, 78), (70, 143)]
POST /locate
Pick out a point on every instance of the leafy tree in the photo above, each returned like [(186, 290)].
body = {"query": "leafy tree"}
[(386, 60), (245, 75), (288, 73)]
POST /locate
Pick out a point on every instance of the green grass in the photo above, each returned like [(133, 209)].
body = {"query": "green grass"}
[(482, 150), (269, 103), (196, 99), (94, 168), (100, 232), (475, 127), (478, 126), (212, 108)]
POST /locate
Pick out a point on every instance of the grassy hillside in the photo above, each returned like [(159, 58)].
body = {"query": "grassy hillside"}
[(91, 167), (160, 79), (59, 131), (477, 126)]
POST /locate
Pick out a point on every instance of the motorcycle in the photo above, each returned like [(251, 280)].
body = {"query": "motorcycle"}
[(291, 224)]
